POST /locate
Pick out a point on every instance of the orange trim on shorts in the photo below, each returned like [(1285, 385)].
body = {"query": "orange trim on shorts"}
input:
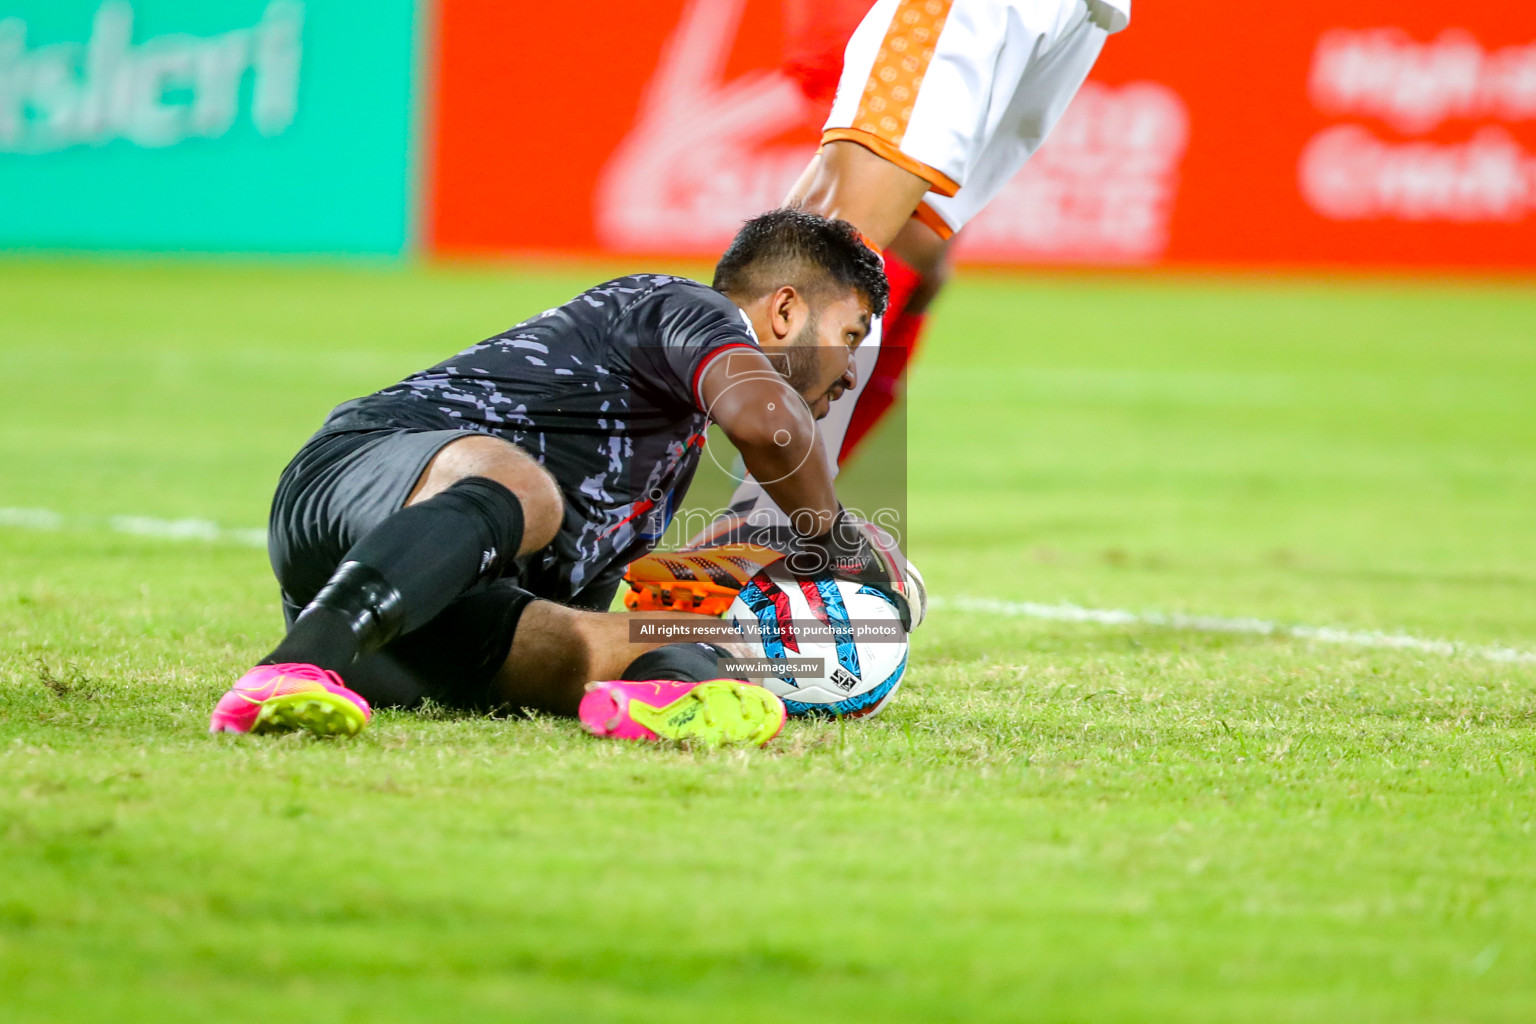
[(937, 180), (929, 218), (885, 108)]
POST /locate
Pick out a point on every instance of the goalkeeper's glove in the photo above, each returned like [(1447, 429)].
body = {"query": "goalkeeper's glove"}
[(845, 553)]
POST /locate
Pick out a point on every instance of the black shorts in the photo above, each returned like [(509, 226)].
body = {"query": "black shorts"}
[(338, 488)]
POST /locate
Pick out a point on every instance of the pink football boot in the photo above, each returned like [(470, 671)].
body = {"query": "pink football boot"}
[(283, 698), (709, 714)]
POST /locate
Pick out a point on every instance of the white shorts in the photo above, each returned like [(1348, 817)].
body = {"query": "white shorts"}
[(962, 92)]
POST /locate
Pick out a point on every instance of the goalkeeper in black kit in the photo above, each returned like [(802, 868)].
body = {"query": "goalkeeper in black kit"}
[(459, 535)]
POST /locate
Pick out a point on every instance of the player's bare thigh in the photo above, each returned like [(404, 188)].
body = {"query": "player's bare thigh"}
[(849, 182), (508, 465), (557, 651)]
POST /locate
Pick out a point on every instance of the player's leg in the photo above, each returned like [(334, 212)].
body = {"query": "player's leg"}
[(940, 103), (926, 256), (945, 97), (498, 648), (935, 95), (861, 179), (909, 117), (918, 265), (816, 34), (594, 665), (848, 181), (559, 650), (479, 503), (418, 517)]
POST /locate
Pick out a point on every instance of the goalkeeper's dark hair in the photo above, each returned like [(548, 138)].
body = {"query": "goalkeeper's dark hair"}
[(814, 254)]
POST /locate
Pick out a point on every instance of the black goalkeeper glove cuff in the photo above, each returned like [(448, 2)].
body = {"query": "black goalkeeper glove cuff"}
[(845, 553)]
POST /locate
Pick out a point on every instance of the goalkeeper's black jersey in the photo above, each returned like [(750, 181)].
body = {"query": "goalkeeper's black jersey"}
[(603, 391)]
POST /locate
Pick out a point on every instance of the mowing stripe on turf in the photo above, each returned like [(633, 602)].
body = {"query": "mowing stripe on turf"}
[(140, 526), (1214, 624), (205, 530)]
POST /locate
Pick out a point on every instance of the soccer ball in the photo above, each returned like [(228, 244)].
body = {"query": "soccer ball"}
[(854, 631)]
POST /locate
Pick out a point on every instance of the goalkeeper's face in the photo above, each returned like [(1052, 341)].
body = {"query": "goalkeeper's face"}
[(820, 355)]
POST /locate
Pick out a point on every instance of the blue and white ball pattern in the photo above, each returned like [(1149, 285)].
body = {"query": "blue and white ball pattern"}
[(784, 617)]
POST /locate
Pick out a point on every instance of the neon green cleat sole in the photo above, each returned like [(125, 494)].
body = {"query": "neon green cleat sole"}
[(717, 713), (322, 714)]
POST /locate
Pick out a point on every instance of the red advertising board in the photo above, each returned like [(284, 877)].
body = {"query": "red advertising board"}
[(1378, 134)]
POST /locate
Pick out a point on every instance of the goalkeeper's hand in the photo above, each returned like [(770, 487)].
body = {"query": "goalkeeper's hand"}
[(845, 553)]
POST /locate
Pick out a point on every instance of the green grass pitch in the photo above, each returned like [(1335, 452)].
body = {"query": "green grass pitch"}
[(1054, 822)]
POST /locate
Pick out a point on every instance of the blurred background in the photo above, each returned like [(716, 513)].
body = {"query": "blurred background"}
[(1219, 468), (1378, 134)]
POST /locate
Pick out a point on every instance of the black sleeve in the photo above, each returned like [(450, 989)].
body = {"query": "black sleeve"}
[(684, 324)]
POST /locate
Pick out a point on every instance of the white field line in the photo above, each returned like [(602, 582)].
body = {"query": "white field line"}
[(206, 530), (1249, 627), (140, 526)]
